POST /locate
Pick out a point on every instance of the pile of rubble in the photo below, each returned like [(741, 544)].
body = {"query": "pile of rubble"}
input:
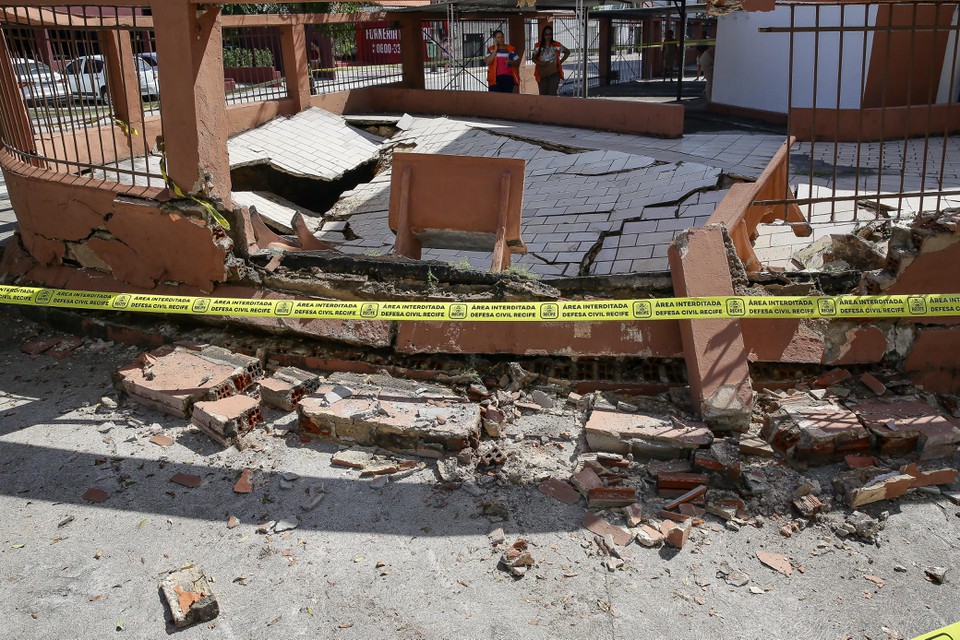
[(642, 468)]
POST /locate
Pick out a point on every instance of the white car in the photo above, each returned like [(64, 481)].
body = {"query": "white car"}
[(87, 76), (39, 83)]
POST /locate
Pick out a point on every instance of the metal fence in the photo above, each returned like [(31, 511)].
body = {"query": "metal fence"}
[(85, 79), (353, 55), (873, 90), (253, 65)]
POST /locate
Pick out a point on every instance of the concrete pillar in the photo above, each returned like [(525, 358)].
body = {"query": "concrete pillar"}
[(293, 44), (13, 114), (190, 44), (123, 83), (717, 366), (606, 31), (411, 53)]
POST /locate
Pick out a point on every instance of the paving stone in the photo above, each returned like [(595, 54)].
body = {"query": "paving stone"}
[(644, 435), (394, 419)]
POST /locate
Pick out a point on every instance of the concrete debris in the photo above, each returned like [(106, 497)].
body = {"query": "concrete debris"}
[(227, 420), (864, 485), (284, 389), (542, 399), (647, 536), (733, 577), (372, 464), (936, 575), (517, 559), (189, 596), (497, 537), (858, 525), (394, 419), (645, 436), (173, 379), (288, 524), (810, 431)]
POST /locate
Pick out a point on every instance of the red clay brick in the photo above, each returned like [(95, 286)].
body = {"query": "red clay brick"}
[(560, 490), (601, 527), (187, 480)]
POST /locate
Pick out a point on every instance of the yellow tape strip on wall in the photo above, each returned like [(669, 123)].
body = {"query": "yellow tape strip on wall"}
[(561, 311), (950, 632)]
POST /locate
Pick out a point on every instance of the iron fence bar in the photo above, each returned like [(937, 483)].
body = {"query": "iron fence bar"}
[(892, 28), (816, 78), (836, 140), (862, 198), (906, 132), (786, 186), (883, 101), (863, 85)]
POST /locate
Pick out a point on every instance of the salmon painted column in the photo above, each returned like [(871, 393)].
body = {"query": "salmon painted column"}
[(293, 43), (717, 366), (412, 52), (123, 83), (190, 50)]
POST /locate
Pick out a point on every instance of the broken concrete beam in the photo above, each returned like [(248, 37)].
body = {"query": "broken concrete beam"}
[(601, 527), (811, 431), (907, 426), (394, 419), (677, 533), (189, 596), (871, 484), (227, 420), (284, 389), (603, 497), (645, 436), (173, 379)]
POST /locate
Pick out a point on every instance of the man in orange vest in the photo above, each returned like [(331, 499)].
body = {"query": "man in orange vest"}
[(502, 62)]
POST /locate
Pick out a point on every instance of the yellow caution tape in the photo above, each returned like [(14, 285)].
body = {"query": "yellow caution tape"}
[(560, 311), (950, 632), (203, 203), (127, 129)]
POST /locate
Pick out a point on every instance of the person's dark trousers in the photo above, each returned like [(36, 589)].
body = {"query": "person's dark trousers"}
[(504, 84)]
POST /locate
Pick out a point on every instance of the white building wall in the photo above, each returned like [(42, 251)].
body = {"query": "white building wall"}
[(948, 73), (751, 68)]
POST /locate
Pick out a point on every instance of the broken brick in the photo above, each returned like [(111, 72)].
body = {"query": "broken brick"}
[(811, 431), (634, 513), (905, 426), (680, 481), (244, 482), (394, 419), (871, 484), (929, 476), (603, 497), (677, 533), (601, 527), (227, 420), (189, 597), (560, 490), (187, 480), (95, 495), (873, 384), (644, 435), (776, 561), (585, 480), (285, 388), (859, 462), (36, 347), (173, 379), (64, 347), (692, 494), (691, 510), (161, 440), (751, 446), (831, 378), (808, 505), (649, 537), (657, 467)]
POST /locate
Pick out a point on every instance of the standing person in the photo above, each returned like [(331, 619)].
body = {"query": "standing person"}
[(669, 55), (705, 58), (502, 61), (549, 55)]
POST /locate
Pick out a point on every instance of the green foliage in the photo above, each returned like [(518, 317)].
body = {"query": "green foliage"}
[(242, 58), (521, 271)]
